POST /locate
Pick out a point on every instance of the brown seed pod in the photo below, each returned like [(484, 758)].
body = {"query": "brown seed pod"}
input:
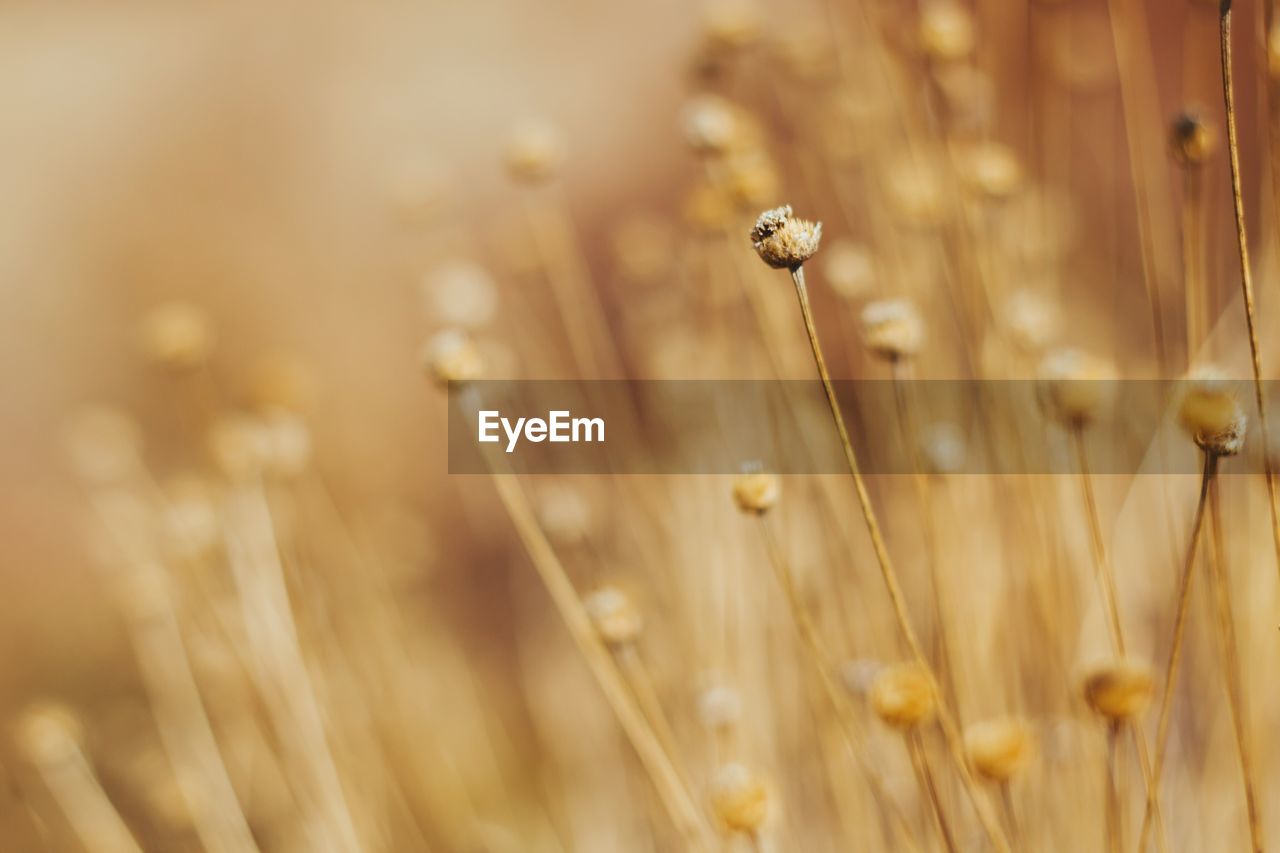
[(892, 329), (756, 492), (615, 617), (739, 798), (904, 695), (451, 356), (177, 336), (534, 152), (1191, 139), (946, 31), (783, 241), (1211, 414), (1076, 385), (999, 748), (1118, 690)]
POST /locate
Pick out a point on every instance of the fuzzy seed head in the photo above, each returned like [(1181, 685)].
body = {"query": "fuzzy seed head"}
[(49, 734), (1211, 414), (991, 170), (849, 269), (451, 356), (999, 748), (616, 619), (461, 294), (1191, 139), (710, 125), (1119, 690), (565, 514), (534, 152), (944, 448), (946, 31), (177, 336), (739, 798), (892, 329), (719, 707), (904, 695), (859, 675), (1076, 385), (784, 242), (756, 492)]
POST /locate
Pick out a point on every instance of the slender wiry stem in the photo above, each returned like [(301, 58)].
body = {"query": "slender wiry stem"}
[(1124, 35), (822, 662), (924, 775), (951, 732), (1231, 665), (1175, 648), (1193, 258), (641, 681), (941, 611), (1246, 275), (91, 814), (1107, 586), (1113, 789), (660, 766)]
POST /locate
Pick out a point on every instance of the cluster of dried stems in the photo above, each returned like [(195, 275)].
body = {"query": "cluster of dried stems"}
[(714, 663)]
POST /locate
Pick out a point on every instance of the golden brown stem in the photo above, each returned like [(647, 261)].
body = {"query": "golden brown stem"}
[(660, 766), (924, 775), (94, 819), (822, 662), (1231, 665), (950, 730), (1246, 275), (1193, 259), (1175, 648), (1107, 587), (1113, 789)]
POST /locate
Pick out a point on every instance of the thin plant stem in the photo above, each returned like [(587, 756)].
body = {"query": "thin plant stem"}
[(1246, 275), (1175, 647), (1231, 665), (79, 794), (637, 674), (822, 662), (910, 438), (1114, 832), (1193, 207), (924, 774), (660, 766), (950, 730), (1107, 586)]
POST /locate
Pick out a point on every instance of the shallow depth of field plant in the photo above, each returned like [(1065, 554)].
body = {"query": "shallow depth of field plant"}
[(252, 252)]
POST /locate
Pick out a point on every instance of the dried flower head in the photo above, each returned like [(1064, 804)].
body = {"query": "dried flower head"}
[(946, 31), (904, 695), (783, 241), (1191, 139), (565, 514), (615, 617), (915, 192), (849, 268), (710, 124), (1076, 385), (731, 25), (719, 707), (49, 734), (1032, 319), (1119, 689), (991, 170), (534, 152), (286, 443), (177, 336), (944, 448), (756, 492), (240, 446), (460, 293), (1211, 413), (892, 328), (189, 519), (999, 748), (750, 179), (451, 356), (859, 675), (739, 798), (281, 380)]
